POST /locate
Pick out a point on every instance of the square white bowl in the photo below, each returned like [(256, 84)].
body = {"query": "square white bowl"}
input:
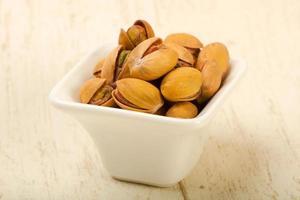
[(140, 147)]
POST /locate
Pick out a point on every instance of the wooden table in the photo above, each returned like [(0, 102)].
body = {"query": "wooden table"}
[(254, 147)]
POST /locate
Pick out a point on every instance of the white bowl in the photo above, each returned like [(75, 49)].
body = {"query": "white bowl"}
[(140, 147)]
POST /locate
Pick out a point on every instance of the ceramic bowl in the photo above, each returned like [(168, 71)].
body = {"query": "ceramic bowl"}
[(140, 147)]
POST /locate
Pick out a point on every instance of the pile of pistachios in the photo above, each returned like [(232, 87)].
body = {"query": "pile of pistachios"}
[(174, 77)]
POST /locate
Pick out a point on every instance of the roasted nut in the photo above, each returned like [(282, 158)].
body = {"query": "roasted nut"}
[(113, 64), (138, 95), (150, 60), (183, 110), (185, 58), (98, 68), (212, 78), (95, 91), (137, 33), (182, 84), (214, 52), (188, 41)]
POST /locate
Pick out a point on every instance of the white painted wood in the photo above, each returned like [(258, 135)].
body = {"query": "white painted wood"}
[(254, 146)]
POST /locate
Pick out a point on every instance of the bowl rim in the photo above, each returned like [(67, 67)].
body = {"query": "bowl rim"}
[(238, 67)]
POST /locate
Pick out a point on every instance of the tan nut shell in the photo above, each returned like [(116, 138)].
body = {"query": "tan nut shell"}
[(183, 110), (109, 65), (217, 52), (182, 84), (183, 54), (212, 78), (124, 40), (137, 95), (98, 68), (154, 65), (147, 27), (89, 88), (136, 54), (185, 40)]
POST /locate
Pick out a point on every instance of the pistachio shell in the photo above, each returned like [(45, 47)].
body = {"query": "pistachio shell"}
[(109, 103), (154, 65), (182, 84), (147, 27), (136, 34), (109, 65), (135, 54), (185, 40), (183, 54), (89, 88), (217, 52), (125, 41), (102, 95), (212, 78), (183, 110), (98, 68), (138, 95)]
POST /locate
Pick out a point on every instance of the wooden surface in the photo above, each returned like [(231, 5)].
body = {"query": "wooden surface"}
[(254, 147)]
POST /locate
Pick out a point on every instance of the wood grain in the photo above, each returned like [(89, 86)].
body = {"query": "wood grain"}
[(254, 147)]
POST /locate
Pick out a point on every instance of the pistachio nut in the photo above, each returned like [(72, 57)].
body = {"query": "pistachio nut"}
[(150, 60), (96, 91), (138, 95), (185, 58), (186, 40), (215, 51), (138, 32), (98, 68), (182, 84), (183, 110), (212, 78), (113, 64)]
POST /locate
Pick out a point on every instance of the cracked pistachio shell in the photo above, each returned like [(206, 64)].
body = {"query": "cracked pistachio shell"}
[(148, 29), (95, 91), (110, 64), (182, 84), (125, 41), (183, 54), (183, 110), (212, 78), (98, 68), (136, 34), (185, 40), (136, 54), (154, 65), (217, 52), (137, 95)]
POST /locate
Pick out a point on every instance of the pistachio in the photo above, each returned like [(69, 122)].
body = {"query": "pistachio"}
[(146, 26), (150, 60), (185, 58), (113, 64), (95, 91), (138, 95), (212, 78), (125, 41), (98, 68), (185, 40), (217, 52), (138, 32), (183, 110), (182, 84)]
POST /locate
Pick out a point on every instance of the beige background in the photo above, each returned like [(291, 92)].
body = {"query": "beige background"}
[(254, 147)]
